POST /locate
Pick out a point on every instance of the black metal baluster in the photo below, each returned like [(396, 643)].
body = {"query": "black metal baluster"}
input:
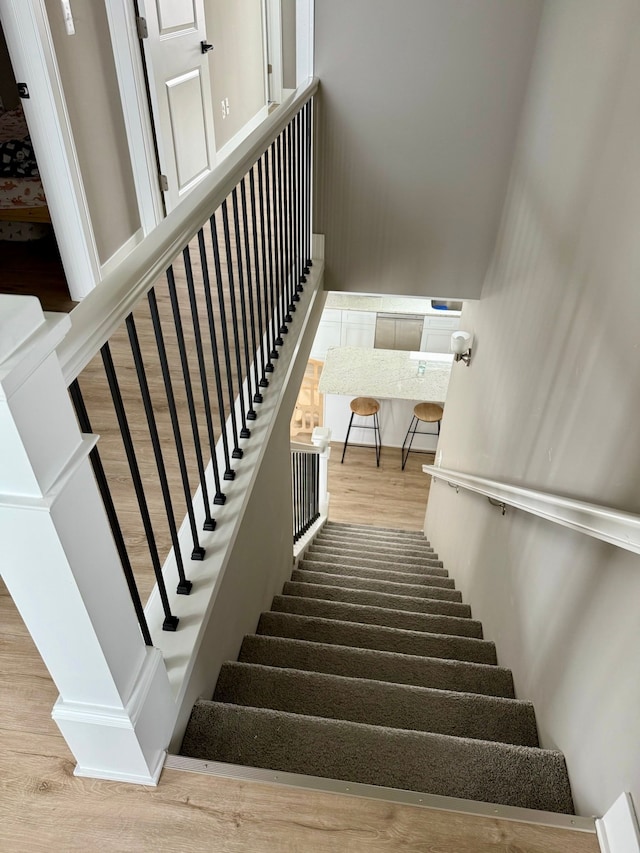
[(112, 516), (296, 497), (282, 277), (300, 276), (251, 414), (257, 396), (229, 473), (272, 220), (291, 226), (244, 430), (219, 498), (286, 188), (198, 550), (236, 453), (184, 586), (209, 522), (264, 220), (307, 230), (170, 621)]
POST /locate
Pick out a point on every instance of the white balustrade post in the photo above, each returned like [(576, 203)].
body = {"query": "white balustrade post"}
[(61, 567), (321, 437)]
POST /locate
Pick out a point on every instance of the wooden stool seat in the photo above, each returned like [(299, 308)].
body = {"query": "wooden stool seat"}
[(428, 413), (365, 407)]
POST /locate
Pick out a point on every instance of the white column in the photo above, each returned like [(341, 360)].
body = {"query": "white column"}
[(61, 567), (321, 438)]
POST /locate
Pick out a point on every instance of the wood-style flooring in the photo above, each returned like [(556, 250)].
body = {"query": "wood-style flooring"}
[(34, 268)]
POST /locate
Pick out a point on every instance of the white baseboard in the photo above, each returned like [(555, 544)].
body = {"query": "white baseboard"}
[(618, 830)]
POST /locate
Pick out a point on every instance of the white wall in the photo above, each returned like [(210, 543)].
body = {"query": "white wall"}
[(552, 399), (417, 118), (237, 63)]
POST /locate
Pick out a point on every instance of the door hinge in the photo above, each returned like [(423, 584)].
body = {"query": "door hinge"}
[(269, 68), (164, 183), (142, 28), (23, 90)]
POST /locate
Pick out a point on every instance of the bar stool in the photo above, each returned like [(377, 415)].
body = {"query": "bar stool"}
[(427, 413), (365, 407)]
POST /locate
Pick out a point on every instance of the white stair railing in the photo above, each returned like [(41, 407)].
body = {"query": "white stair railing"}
[(119, 701), (610, 525), (309, 470)]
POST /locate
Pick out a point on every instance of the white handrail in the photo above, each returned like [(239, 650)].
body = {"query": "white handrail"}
[(609, 525), (100, 313)]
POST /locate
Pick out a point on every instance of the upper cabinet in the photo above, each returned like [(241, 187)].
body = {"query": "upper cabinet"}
[(345, 322)]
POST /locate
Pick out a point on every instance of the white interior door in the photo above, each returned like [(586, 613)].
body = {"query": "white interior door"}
[(180, 89)]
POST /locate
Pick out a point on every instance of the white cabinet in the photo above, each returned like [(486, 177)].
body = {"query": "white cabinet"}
[(358, 329), (343, 329), (329, 333), (436, 334)]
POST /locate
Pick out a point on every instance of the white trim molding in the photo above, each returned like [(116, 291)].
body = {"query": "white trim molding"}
[(26, 28), (609, 525), (135, 109), (618, 830)]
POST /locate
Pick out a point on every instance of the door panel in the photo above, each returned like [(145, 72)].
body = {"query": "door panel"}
[(180, 93), (188, 128), (175, 15)]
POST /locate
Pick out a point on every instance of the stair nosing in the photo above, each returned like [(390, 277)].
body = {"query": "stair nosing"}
[(314, 586), (387, 610)]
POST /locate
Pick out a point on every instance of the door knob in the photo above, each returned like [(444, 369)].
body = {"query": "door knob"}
[(205, 47)]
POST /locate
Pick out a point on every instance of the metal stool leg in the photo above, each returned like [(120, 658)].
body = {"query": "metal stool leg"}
[(413, 426), (347, 438), (376, 437)]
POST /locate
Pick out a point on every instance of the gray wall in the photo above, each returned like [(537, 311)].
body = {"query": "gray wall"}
[(289, 44), (91, 92), (552, 400), (237, 63), (418, 113)]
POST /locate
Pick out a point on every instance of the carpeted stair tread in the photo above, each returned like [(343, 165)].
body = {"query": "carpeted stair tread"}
[(338, 632), (370, 529), (382, 534), (371, 560), (377, 599), (378, 703), (402, 619), (352, 582), (347, 542), (527, 777), (362, 556), (438, 673), (393, 575), (347, 537)]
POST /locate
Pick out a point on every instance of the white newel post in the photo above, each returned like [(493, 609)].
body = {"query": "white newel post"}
[(60, 565), (321, 437)]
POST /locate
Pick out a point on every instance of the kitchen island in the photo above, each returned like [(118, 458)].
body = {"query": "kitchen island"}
[(396, 378)]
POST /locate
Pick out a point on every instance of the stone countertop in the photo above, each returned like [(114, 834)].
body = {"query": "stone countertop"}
[(384, 304), (386, 374)]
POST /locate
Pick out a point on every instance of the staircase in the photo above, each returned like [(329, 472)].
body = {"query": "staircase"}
[(369, 668)]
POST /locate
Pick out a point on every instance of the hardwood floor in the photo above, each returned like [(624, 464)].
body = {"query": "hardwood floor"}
[(34, 267), (386, 496)]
